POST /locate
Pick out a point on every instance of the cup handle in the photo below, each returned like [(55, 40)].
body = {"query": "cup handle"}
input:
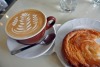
[(50, 22)]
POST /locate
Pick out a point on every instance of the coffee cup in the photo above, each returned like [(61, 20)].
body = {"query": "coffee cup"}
[(28, 26)]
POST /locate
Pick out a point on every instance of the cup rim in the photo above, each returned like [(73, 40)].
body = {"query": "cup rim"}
[(45, 20)]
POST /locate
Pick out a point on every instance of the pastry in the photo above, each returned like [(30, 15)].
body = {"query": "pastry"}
[(80, 49)]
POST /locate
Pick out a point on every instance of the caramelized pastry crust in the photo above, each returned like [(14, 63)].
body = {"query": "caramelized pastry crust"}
[(80, 49)]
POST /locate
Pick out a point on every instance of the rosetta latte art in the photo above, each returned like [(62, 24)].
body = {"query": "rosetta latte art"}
[(23, 23)]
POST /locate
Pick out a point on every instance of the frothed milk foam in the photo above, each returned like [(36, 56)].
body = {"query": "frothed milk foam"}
[(25, 23)]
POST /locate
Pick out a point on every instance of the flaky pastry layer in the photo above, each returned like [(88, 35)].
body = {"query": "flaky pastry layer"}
[(80, 49)]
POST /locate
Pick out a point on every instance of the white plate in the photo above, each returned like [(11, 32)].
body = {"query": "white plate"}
[(32, 52), (85, 23)]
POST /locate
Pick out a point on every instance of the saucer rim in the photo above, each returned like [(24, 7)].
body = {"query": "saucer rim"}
[(38, 55)]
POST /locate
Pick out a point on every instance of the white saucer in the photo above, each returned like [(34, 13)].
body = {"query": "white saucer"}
[(32, 52), (70, 26)]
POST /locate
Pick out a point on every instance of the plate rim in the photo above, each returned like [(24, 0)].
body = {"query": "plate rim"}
[(57, 34)]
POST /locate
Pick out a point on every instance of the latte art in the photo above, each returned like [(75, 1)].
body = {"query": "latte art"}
[(23, 26), (25, 23)]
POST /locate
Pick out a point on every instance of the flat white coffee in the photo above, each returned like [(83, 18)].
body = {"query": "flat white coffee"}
[(25, 24)]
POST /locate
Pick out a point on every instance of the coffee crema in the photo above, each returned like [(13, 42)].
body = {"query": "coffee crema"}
[(25, 24)]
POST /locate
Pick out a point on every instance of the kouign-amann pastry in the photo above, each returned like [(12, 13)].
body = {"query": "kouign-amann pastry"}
[(80, 49)]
